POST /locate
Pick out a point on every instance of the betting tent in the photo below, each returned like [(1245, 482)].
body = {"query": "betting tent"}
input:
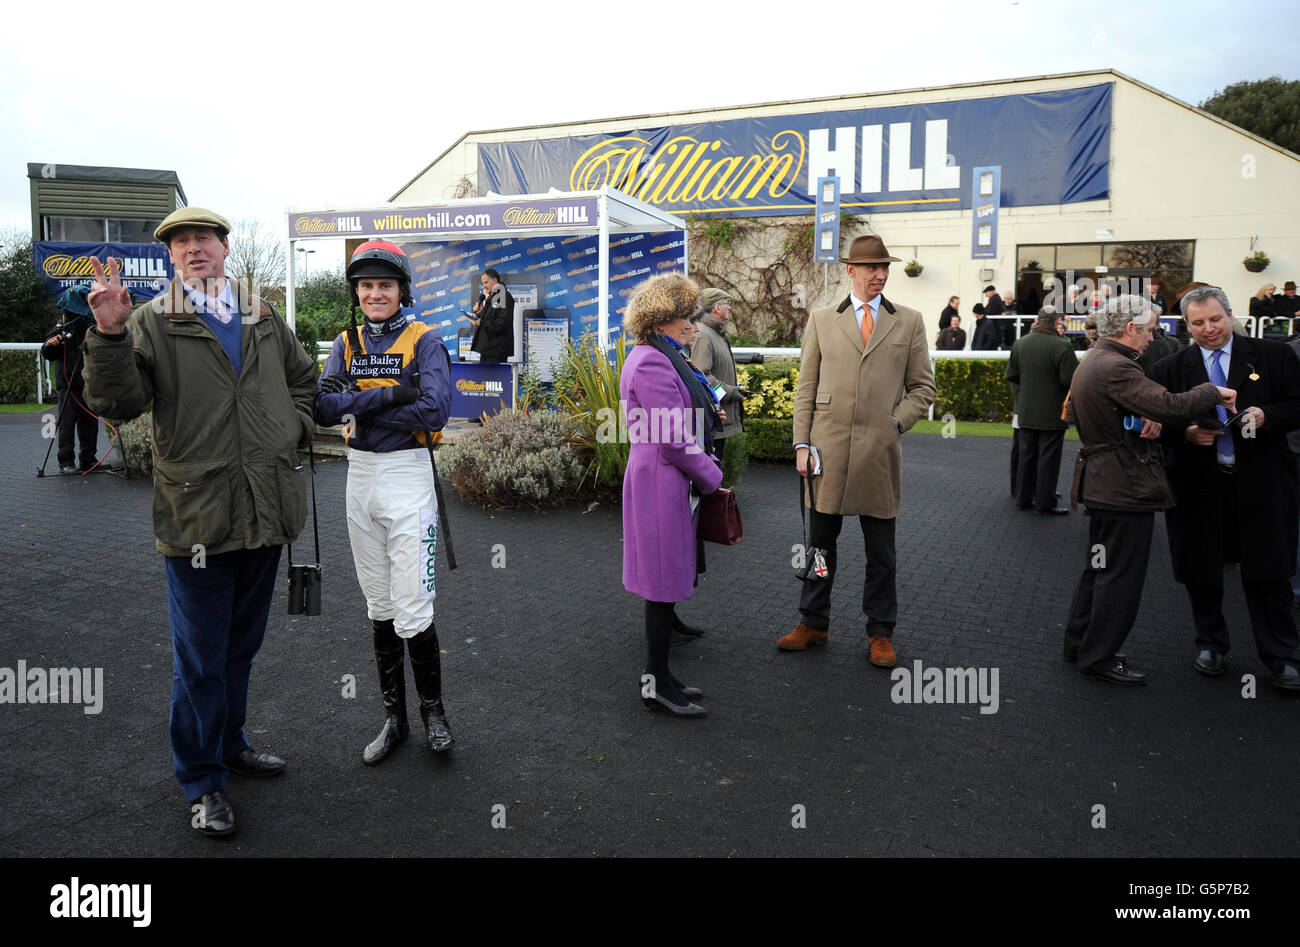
[(581, 251)]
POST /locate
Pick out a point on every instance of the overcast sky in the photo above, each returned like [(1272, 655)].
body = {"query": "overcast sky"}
[(261, 106)]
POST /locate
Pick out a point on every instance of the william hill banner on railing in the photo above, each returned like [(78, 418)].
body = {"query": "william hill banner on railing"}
[(1053, 147), (561, 213), (145, 266)]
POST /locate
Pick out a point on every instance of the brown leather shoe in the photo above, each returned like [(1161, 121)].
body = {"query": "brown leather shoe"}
[(882, 652), (801, 638)]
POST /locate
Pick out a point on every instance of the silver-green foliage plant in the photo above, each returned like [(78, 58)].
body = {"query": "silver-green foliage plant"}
[(518, 458), (137, 444)]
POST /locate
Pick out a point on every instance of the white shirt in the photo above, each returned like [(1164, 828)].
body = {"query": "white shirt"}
[(859, 307), (1223, 445), (222, 308), (1207, 354)]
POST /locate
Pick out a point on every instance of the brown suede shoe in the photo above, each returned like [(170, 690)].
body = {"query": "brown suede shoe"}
[(801, 638), (882, 652)]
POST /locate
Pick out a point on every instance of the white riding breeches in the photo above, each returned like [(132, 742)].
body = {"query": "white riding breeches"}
[(393, 526)]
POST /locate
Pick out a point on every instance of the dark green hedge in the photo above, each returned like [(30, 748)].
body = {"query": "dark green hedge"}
[(770, 439), (969, 389), (972, 389), (17, 377)]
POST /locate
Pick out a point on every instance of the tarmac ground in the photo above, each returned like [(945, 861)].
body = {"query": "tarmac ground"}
[(801, 754)]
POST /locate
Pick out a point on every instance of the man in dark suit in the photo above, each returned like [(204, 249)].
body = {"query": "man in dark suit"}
[(1235, 487), (987, 334), (494, 320), (1288, 303), (994, 306), (1040, 369)]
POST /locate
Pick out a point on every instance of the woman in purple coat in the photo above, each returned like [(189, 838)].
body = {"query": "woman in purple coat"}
[(671, 418)]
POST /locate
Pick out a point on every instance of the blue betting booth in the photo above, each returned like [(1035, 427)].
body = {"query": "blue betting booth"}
[(569, 259)]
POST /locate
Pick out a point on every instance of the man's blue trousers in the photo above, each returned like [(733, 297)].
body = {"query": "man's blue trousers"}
[(218, 617)]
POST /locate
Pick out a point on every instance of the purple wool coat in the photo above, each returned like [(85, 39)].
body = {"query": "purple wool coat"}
[(658, 529)]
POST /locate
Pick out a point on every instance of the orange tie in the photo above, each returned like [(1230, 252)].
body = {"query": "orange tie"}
[(867, 326)]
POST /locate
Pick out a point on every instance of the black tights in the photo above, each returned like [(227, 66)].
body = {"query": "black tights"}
[(659, 620)]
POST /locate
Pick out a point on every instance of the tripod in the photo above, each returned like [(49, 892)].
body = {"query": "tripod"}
[(67, 395)]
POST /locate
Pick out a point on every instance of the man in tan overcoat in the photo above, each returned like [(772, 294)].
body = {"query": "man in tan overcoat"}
[(864, 379)]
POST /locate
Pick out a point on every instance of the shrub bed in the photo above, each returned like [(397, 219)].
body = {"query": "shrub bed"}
[(137, 444), (517, 458)]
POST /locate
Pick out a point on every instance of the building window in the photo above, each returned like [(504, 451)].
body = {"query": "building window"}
[(99, 230), (75, 229), (1169, 261), (131, 231)]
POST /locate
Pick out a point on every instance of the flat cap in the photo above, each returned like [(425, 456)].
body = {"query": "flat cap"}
[(711, 297), (989, 289), (192, 217)]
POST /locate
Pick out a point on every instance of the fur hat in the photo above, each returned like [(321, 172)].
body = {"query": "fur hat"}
[(658, 300)]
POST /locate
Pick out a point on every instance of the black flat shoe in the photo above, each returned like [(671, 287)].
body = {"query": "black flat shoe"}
[(215, 816), (1209, 663), (677, 710), (1287, 679), (253, 763), (1115, 671), (1056, 511)]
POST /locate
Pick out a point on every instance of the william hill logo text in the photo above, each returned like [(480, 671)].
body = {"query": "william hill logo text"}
[(680, 172), (59, 265), (482, 388), (536, 216)]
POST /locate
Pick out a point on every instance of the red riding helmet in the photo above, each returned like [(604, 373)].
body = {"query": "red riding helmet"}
[(379, 259)]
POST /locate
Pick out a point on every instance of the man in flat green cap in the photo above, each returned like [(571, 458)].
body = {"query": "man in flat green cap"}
[(711, 354), (232, 393)]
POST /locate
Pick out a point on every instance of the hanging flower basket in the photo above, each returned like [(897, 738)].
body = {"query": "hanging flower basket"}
[(913, 268), (1257, 262)]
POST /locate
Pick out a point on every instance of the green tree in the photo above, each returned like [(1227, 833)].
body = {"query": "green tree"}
[(27, 311), (1270, 108), (321, 308)]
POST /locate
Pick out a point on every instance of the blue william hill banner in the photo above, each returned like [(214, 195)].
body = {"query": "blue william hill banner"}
[(1053, 148), (146, 267), (564, 270)]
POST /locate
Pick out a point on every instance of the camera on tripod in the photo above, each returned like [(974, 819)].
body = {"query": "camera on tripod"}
[(304, 590)]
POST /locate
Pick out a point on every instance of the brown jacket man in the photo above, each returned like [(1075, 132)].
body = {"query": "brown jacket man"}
[(864, 379), (1120, 477)]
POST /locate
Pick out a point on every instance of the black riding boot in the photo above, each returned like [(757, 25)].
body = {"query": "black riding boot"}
[(390, 659), (426, 668)]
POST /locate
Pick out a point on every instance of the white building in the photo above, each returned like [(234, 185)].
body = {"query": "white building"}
[(1102, 176)]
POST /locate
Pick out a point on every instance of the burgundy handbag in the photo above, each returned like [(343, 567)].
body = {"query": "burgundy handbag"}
[(720, 518)]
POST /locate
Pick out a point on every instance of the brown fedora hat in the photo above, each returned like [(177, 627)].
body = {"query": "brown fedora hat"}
[(869, 249)]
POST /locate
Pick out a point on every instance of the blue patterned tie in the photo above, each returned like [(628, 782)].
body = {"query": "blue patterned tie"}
[(1223, 443)]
